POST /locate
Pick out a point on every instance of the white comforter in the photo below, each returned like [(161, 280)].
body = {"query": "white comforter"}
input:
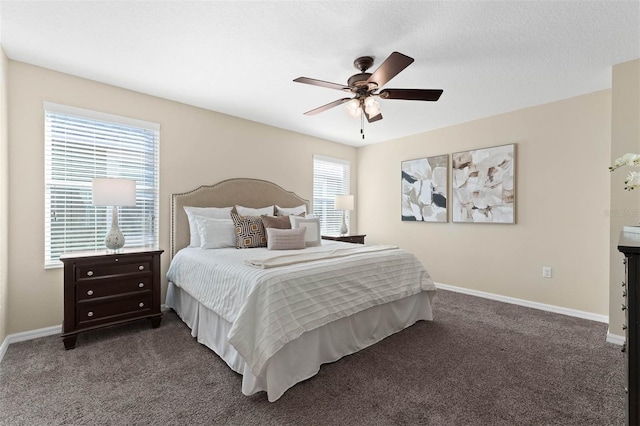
[(271, 307)]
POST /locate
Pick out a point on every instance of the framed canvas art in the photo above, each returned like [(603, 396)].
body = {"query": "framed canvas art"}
[(483, 185), (424, 189)]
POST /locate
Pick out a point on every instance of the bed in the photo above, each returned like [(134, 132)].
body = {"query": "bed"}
[(275, 316)]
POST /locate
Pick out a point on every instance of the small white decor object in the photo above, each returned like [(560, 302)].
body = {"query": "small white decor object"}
[(344, 203), (114, 192), (632, 160)]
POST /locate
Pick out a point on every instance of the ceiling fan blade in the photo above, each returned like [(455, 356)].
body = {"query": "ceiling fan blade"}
[(314, 82), (391, 67), (374, 118), (411, 94), (327, 106)]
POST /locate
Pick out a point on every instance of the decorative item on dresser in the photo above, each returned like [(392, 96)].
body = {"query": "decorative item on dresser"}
[(629, 245), (114, 192), (344, 203), (103, 289), (356, 239)]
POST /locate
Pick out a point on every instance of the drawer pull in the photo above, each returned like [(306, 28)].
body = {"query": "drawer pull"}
[(624, 294), (90, 314), (624, 326), (141, 267), (90, 293), (90, 273), (624, 348), (140, 285), (141, 304), (624, 307), (623, 284)]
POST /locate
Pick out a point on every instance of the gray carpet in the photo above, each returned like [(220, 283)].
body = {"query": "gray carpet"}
[(480, 362)]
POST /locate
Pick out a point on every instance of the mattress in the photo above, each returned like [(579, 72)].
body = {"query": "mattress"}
[(261, 320)]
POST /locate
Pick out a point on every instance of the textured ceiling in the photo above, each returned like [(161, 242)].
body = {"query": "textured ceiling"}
[(240, 57)]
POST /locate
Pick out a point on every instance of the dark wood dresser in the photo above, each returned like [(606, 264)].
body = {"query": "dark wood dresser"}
[(629, 245), (356, 239), (103, 289)]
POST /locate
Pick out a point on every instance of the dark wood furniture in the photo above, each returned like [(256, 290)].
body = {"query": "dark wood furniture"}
[(103, 289), (629, 245), (356, 239)]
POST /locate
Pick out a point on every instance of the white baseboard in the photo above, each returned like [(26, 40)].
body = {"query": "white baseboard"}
[(28, 335), (43, 332), (615, 339), (611, 338)]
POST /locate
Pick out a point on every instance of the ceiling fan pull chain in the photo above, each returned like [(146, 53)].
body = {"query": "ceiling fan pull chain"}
[(362, 125)]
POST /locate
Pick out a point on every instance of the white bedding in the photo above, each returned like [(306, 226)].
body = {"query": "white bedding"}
[(269, 308)]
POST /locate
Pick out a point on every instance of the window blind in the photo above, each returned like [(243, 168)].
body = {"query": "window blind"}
[(81, 145), (330, 178)]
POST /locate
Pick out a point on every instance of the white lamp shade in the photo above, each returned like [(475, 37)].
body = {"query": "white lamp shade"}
[(344, 202), (114, 192)]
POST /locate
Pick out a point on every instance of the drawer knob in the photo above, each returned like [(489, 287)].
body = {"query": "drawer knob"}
[(624, 326), (140, 285), (90, 273), (90, 314), (624, 294), (141, 267), (141, 304), (624, 307), (624, 348), (90, 293), (623, 284)]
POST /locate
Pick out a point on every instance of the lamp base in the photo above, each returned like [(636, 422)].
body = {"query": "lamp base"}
[(114, 239), (343, 227)]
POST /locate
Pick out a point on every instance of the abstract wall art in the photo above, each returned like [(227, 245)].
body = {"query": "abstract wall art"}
[(483, 185), (424, 189)]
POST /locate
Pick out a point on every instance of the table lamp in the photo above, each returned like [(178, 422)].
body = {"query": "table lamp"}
[(114, 192), (344, 203)]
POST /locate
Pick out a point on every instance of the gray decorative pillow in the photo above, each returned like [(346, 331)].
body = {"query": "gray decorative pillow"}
[(286, 211), (249, 231), (285, 239), (280, 222)]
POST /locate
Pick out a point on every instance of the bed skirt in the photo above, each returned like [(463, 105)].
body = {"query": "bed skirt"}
[(300, 359)]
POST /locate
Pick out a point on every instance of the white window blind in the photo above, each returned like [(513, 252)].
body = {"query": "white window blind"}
[(81, 145), (330, 178)]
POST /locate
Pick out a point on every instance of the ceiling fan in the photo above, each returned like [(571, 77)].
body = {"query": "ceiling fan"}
[(364, 86)]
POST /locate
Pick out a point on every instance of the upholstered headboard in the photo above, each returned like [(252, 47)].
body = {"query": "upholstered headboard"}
[(246, 192)]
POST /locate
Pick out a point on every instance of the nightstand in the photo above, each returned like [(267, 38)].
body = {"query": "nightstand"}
[(103, 289), (356, 239)]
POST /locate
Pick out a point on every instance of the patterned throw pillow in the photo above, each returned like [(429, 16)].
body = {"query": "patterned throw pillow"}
[(249, 231)]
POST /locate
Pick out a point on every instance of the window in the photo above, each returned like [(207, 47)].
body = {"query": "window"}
[(330, 178), (79, 146)]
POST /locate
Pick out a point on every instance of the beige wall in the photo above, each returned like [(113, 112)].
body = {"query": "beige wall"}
[(562, 199), (196, 147), (4, 194), (625, 137), (563, 151)]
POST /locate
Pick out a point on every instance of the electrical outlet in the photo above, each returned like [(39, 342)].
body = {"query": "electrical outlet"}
[(546, 272)]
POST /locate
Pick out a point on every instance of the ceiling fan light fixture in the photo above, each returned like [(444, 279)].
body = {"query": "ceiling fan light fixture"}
[(371, 106), (353, 108)]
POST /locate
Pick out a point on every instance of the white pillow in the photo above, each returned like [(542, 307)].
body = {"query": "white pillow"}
[(213, 212), (286, 239), (248, 211), (284, 211), (293, 218), (216, 233), (312, 235)]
